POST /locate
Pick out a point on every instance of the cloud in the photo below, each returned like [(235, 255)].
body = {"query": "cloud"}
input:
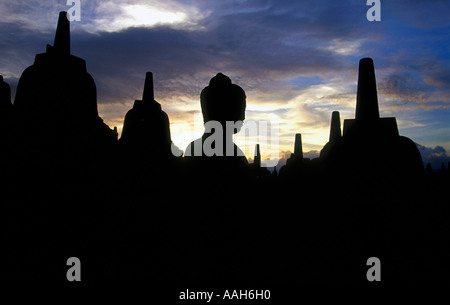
[(405, 86), (435, 156), (345, 47), (115, 15), (297, 61), (312, 154), (100, 15), (258, 44), (31, 14), (418, 14)]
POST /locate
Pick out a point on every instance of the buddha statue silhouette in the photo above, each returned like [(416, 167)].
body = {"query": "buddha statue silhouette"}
[(223, 106), (216, 174)]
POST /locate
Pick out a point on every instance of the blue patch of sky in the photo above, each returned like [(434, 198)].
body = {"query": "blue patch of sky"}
[(303, 82), (435, 130)]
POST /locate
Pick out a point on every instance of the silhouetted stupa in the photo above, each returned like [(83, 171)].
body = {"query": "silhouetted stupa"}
[(335, 129), (257, 160), (5, 98), (297, 156), (146, 125), (56, 105), (58, 83), (6, 126), (333, 148), (371, 146), (367, 121)]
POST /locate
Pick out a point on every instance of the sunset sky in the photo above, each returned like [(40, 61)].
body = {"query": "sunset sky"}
[(296, 60)]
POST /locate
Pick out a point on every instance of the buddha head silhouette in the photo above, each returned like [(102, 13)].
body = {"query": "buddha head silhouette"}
[(223, 101)]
